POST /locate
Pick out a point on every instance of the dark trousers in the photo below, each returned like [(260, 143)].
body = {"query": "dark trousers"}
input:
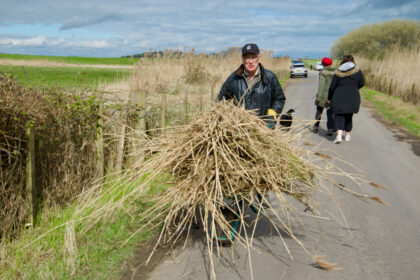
[(343, 122), (330, 117)]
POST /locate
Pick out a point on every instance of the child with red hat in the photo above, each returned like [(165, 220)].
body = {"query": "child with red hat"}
[(321, 100)]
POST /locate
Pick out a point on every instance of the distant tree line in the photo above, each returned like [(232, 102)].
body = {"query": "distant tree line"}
[(374, 40), (150, 54), (177, 53)]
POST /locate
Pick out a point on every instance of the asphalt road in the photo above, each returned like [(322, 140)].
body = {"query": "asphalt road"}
[(380, 243)]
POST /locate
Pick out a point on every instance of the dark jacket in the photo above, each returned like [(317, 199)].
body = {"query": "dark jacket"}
[(325, 77), (344, 90), (266, 94)]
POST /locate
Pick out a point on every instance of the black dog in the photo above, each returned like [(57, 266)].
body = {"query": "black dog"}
[(287, 119)]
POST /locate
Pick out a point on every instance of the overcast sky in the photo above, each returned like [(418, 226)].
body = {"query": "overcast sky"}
[(113, 28)]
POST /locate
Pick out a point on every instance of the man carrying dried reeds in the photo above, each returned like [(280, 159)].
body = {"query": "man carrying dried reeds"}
[(254, 87)]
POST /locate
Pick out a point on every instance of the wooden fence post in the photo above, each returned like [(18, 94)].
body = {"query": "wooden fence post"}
[(140, 101), (100, 161), (120, 148), (30, 182), (140, 127), (163, 114)]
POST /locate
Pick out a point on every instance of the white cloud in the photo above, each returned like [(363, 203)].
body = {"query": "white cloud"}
[(98, 44), (44, 41), (29, 42)]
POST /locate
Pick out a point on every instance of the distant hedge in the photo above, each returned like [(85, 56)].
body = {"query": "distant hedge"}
[(374, 40)]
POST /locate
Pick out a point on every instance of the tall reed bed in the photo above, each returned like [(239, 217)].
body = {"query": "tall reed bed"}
[(396, 73), (188, 82), (173, 73)]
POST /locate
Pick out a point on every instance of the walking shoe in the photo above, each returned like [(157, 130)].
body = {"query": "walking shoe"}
[(315, 129), (330, 131), (337, 139), (347, 137)]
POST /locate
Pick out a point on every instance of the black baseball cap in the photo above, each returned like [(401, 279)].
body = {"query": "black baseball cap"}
[(250, 48)]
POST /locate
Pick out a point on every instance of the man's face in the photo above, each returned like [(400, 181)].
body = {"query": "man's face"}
[(250, 61)]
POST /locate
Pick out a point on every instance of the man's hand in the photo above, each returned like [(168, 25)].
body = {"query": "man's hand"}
[(270, 118), (271, 112)]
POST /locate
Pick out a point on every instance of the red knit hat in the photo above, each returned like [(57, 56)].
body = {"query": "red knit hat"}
[(326, 61)]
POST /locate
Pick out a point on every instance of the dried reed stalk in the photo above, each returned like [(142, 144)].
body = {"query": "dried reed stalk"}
[(319, 260), (376, 185)]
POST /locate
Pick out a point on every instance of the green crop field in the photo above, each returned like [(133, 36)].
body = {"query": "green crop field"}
[(64, 76), (75, 59), (308, 62)]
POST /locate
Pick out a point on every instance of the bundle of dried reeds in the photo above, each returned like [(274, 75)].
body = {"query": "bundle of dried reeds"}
[(226, 154)]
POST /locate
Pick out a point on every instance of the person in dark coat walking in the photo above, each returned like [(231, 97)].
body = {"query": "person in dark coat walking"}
[(254, 87), (344, 96)]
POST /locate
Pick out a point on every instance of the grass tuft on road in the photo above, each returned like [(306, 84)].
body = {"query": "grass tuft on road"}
[(395, 109)]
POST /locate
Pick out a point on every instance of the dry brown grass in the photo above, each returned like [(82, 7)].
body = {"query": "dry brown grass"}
[(197, 74), (396, 74)]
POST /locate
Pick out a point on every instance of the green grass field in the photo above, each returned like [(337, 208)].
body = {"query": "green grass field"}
[(308, 62), (64, 76), (75, 59)]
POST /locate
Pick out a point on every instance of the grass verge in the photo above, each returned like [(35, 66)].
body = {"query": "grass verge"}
[(64, 76), (75, 59), (395, 109), (84, 249)]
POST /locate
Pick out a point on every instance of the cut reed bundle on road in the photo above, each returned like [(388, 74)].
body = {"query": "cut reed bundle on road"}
[(227, 153)]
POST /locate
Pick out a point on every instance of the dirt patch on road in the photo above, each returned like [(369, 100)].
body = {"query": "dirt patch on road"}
[(400, 133), (136, 268)]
